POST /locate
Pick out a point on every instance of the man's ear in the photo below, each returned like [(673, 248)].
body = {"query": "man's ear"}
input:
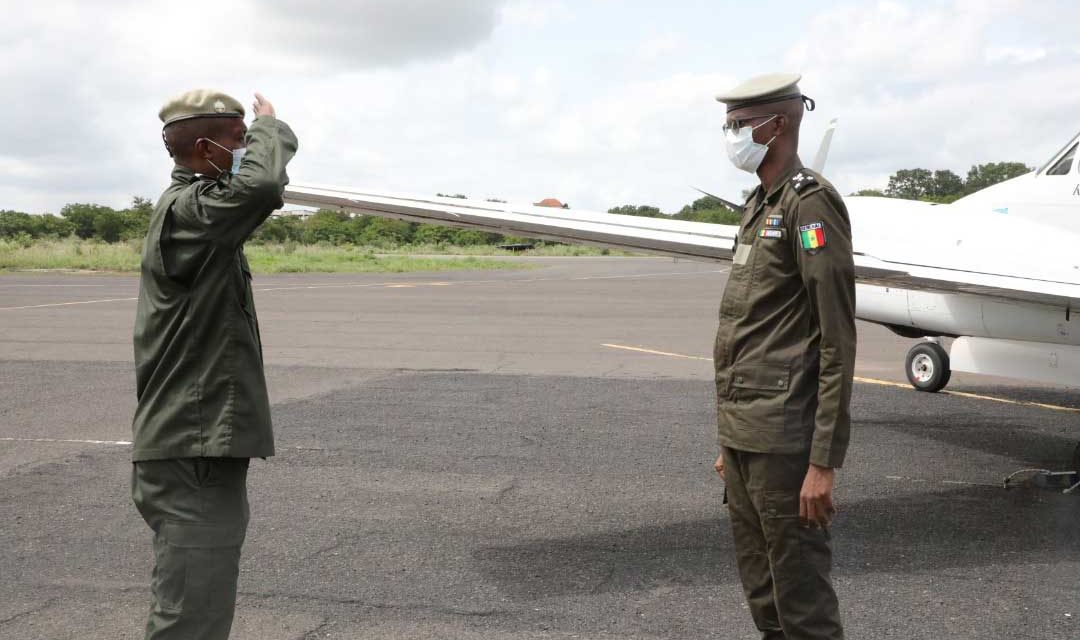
[(783, 123), (202, 149)]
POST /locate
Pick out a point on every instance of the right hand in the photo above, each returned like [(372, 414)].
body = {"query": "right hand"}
[(719, 465), (262, 106)]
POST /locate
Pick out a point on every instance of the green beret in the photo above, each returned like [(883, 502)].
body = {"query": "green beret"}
[(771, 87), (200, 103)]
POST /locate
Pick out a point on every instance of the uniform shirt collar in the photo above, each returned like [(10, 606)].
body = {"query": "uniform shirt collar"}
[(794, 166), (183, 174)]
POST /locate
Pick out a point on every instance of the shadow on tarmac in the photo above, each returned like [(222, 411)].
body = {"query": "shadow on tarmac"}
[(901, 533)]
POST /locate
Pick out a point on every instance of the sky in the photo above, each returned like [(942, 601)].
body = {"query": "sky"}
[(598, 103)]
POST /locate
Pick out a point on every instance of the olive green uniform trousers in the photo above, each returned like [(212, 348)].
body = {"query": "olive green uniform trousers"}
[(784, 566), (198, 510)]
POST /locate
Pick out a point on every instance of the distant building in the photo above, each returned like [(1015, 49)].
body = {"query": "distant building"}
[(303, 214), (551, 202)]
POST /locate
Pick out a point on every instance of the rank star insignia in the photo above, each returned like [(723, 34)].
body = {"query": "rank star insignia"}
[(802, 180)]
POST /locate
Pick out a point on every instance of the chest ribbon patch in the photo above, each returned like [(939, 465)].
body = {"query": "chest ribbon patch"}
[(812, 236)]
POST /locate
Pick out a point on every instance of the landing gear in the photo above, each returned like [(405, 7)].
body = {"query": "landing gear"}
[(927, 367)]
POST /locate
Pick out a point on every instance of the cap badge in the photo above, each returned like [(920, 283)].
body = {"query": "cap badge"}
[(219, 106)]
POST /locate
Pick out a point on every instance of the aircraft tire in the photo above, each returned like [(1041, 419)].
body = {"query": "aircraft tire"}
[(927, 367)]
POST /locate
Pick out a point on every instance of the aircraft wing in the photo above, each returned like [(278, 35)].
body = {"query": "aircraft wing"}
[(678, 238)]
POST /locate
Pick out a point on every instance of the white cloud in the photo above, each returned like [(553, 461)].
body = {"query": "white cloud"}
[(920, 88), (660, 45), (533, 14), (1015, 55), (519, 99)]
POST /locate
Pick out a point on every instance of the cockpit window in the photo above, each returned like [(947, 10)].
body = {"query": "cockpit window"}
[(1063, 166)]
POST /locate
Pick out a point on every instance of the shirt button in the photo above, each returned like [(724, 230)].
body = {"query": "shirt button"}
[(780, 383), (739, 380)]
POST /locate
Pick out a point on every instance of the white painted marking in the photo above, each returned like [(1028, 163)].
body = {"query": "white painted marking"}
[(964, 483), (121, 443), (67, 304), (36, 286), (357, 285)]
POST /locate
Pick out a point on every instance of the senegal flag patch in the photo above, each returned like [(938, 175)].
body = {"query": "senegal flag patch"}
[(812, 236)]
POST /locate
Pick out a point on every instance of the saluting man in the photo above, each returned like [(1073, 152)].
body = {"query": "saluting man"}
[(203, 410), (784, 357)]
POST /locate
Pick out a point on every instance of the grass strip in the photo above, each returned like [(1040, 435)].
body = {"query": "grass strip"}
[(84, 255)]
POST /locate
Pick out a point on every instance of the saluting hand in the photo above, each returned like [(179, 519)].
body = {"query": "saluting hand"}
[(815, 500), (262, 106)]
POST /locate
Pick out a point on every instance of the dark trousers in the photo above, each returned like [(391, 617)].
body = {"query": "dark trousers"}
[(783, 565), (198, 510)]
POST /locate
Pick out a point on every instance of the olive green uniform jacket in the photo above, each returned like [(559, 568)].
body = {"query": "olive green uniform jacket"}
[(785, 349), (198, 355)]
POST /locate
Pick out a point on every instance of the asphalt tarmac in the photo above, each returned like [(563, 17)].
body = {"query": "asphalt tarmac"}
[(518, 454)]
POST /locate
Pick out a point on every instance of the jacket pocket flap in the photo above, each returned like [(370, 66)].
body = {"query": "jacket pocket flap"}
[(760, 376)]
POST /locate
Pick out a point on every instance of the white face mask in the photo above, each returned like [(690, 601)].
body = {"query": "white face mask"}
[(237, 155), (743, 152)]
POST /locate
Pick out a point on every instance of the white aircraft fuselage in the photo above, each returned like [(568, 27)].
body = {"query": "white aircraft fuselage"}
[(1025, 228)]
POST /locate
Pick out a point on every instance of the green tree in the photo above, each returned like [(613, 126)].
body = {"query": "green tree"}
[(470, 237), (983, 175), (280, 229), (50, 226), (84, 217), (13, 223), (433, 234), (910, 184), (109, 225), (946, 185), (643, 210), (877, 193), (136, 218), (383, 232), (327, 225), (708, 209)]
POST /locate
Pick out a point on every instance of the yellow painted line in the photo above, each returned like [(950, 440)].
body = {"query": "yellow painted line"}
[(401, 286), (882, 383), (875, 381)]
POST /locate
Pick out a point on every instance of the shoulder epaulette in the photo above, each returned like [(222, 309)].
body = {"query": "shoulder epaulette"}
[(803, 180)]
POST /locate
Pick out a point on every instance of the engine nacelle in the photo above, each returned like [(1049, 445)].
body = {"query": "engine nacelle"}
[(911, 313)]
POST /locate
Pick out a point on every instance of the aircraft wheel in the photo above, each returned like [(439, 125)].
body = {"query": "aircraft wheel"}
[(927, 367)]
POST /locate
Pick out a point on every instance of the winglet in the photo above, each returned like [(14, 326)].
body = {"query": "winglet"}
[(737, 208), (823, 150)]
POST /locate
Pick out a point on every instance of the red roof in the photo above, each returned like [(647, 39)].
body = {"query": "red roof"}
[(549, 202)]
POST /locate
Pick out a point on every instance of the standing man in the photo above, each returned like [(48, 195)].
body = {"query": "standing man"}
[(784, 356), (203, 410)]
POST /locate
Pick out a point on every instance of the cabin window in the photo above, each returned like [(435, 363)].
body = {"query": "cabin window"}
[(1063, 166)]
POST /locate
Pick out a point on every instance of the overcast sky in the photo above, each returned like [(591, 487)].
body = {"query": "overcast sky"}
[(595, 102)]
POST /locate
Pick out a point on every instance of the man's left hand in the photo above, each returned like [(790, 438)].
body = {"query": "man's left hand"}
[(815, 500)]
